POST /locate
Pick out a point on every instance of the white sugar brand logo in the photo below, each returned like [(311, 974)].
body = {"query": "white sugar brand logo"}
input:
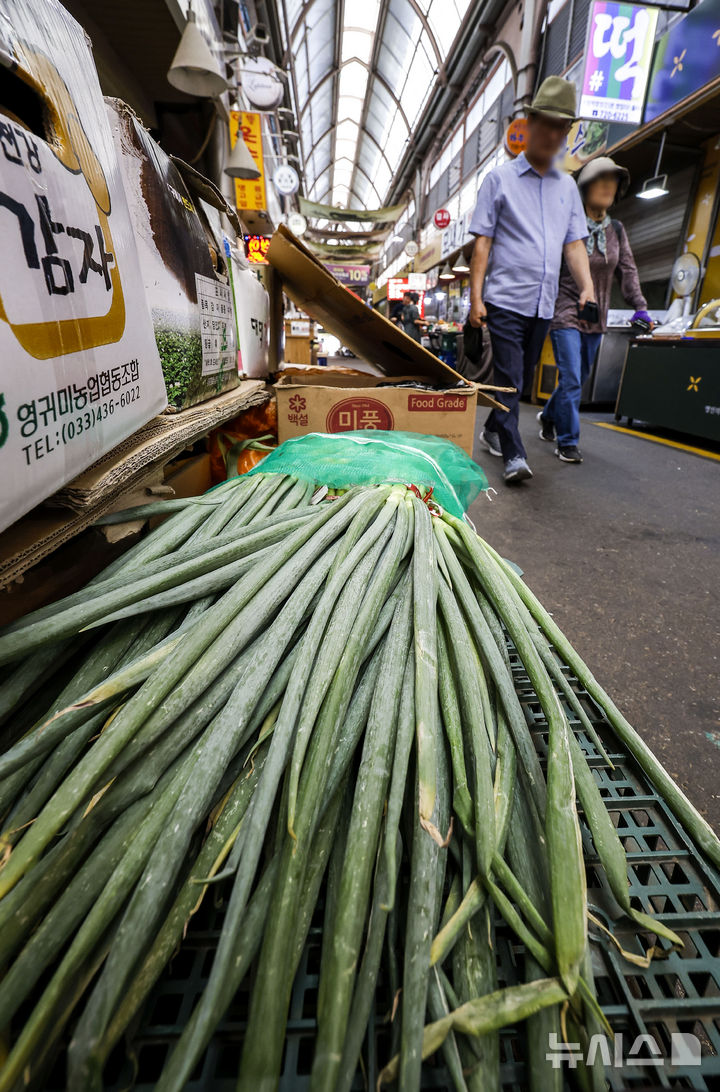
[(685, 1051)]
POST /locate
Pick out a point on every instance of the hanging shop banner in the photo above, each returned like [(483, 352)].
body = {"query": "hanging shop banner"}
[(353, 237), (686, 59), (585, 139), (441, 219), (364, 216), (325, 250), (354, 276), (516, 136), (618, 56), (249, 194), (256, 248)]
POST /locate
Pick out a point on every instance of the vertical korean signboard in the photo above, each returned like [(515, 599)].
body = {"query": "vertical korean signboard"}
[(249, 193), (618, 56)]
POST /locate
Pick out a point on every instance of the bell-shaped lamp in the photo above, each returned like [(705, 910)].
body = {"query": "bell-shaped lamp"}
[(241, 163), (194, 70), (447, 273)]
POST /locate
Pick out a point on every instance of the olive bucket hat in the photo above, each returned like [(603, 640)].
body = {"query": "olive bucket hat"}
[(603, 164), (556, 98)]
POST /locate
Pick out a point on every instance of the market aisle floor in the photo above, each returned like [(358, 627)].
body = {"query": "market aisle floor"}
[(625, 550)]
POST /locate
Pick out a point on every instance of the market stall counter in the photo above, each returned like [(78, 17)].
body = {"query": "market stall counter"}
[(674, 384)]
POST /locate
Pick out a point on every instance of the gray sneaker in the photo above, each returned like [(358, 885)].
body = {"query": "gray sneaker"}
[(517, 470), (491, 442)]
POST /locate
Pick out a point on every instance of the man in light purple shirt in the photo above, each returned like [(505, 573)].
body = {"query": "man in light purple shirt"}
[(528, 217)]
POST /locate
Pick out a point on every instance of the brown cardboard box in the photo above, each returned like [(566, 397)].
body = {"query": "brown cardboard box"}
[(308, 402), (333, 402), (366, 332)]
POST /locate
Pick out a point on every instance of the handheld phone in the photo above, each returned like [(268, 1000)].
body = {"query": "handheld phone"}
[(589, 313)]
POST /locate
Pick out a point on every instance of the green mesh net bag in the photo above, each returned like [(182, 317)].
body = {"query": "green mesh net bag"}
[(371, 457)]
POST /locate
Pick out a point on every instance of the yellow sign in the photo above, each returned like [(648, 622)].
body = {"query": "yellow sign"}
[(703, 229), (249, 194)]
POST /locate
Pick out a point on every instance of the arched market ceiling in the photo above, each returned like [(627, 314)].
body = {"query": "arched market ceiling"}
[(362, 72)]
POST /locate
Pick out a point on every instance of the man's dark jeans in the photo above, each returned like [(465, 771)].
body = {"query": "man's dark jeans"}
[(517, 342)]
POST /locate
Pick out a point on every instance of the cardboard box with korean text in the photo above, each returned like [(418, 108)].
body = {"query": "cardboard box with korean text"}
[(441, 403), (80, 369), (331, 403), (185, 268)]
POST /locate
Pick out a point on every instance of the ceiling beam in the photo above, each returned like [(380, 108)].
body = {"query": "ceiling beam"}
[(339, 24)]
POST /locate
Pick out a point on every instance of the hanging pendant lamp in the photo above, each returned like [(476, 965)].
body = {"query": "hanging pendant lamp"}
[(241, 163), (194, 70)]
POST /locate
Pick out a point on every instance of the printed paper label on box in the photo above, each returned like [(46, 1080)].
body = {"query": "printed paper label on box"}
[(216, 325), (437, 403)]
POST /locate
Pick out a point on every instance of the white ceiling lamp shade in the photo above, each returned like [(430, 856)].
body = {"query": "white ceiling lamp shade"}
[(447, 273), (194, 70), (241, 163), (460, 267)]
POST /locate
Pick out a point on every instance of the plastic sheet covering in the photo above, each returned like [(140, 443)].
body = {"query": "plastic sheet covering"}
[(252, 310), (80, 369), (371, 457)]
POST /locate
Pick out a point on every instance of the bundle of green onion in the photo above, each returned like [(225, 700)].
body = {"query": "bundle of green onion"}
[(313, 696)]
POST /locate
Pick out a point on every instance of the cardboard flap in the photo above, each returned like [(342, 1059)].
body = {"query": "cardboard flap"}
[(369, 334), (208, 191)]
